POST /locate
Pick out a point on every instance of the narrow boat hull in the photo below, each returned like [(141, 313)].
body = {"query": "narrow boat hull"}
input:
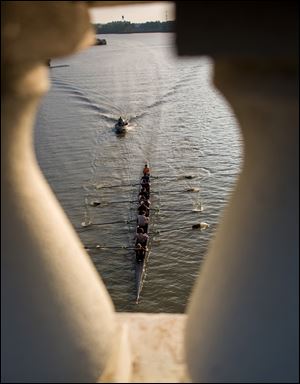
[(140, 269), (139, 274)]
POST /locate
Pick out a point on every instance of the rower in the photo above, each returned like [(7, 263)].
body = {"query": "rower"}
[(144, 206), (144, 201), (145, 184), (143, 221), (141, 237), (144, 194), (140, 252), (141, 244)]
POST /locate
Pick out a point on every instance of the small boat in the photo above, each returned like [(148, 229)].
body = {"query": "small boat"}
[(140, 267), (121, 126), (100, 42)]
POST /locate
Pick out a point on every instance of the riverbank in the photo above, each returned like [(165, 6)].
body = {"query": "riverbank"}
[(124, 27)]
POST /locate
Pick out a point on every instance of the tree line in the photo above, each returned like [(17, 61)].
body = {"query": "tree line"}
[(128, 27)]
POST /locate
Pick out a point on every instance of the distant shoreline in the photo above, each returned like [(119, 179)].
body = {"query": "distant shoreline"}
[(126, 27), (131, 33)]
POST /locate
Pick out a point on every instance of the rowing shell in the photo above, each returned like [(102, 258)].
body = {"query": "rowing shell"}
[(140, 270)]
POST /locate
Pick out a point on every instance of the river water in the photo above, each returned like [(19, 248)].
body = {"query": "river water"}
[(178, 122)]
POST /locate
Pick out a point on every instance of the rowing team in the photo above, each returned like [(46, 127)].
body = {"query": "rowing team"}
[(142, 236)]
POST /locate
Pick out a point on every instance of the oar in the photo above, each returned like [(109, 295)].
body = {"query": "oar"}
[(117, 186), (173, 177), (188, 190), (200, 226), (59, 66), (151, 177), (179, 210), (103, 203), (111, 222), (85, 225), (98, 246)]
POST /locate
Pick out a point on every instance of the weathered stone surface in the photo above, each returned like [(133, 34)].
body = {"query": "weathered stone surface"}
[(238, 28), (156, 345), (243, 317), (57, 319), (34, 31)]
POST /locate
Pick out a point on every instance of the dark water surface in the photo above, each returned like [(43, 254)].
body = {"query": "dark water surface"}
[(178, 122)]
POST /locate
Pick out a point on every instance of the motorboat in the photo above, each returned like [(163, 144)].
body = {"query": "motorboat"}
[(121, 125), (100, 42)]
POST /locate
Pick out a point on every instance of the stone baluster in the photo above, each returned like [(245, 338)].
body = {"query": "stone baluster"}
[(58, 323), (243, 318), (57, 318)]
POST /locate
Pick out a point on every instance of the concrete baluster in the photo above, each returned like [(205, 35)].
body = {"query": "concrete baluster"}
[(243, 319), (57, 318)]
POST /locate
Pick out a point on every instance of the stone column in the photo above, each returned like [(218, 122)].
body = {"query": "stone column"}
[(243, 323), (57, 318)]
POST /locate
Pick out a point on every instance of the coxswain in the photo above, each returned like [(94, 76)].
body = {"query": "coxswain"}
[(146, 170)]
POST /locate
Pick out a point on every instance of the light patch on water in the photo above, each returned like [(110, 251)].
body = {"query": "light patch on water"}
[(178, 123)]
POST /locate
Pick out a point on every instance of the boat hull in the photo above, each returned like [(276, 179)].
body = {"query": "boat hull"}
[(121, 128), (140, 269)]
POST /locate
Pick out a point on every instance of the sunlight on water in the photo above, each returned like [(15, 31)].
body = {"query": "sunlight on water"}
[(178, 122)]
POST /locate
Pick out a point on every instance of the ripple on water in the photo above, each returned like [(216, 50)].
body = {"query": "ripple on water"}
[(180, 124)]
